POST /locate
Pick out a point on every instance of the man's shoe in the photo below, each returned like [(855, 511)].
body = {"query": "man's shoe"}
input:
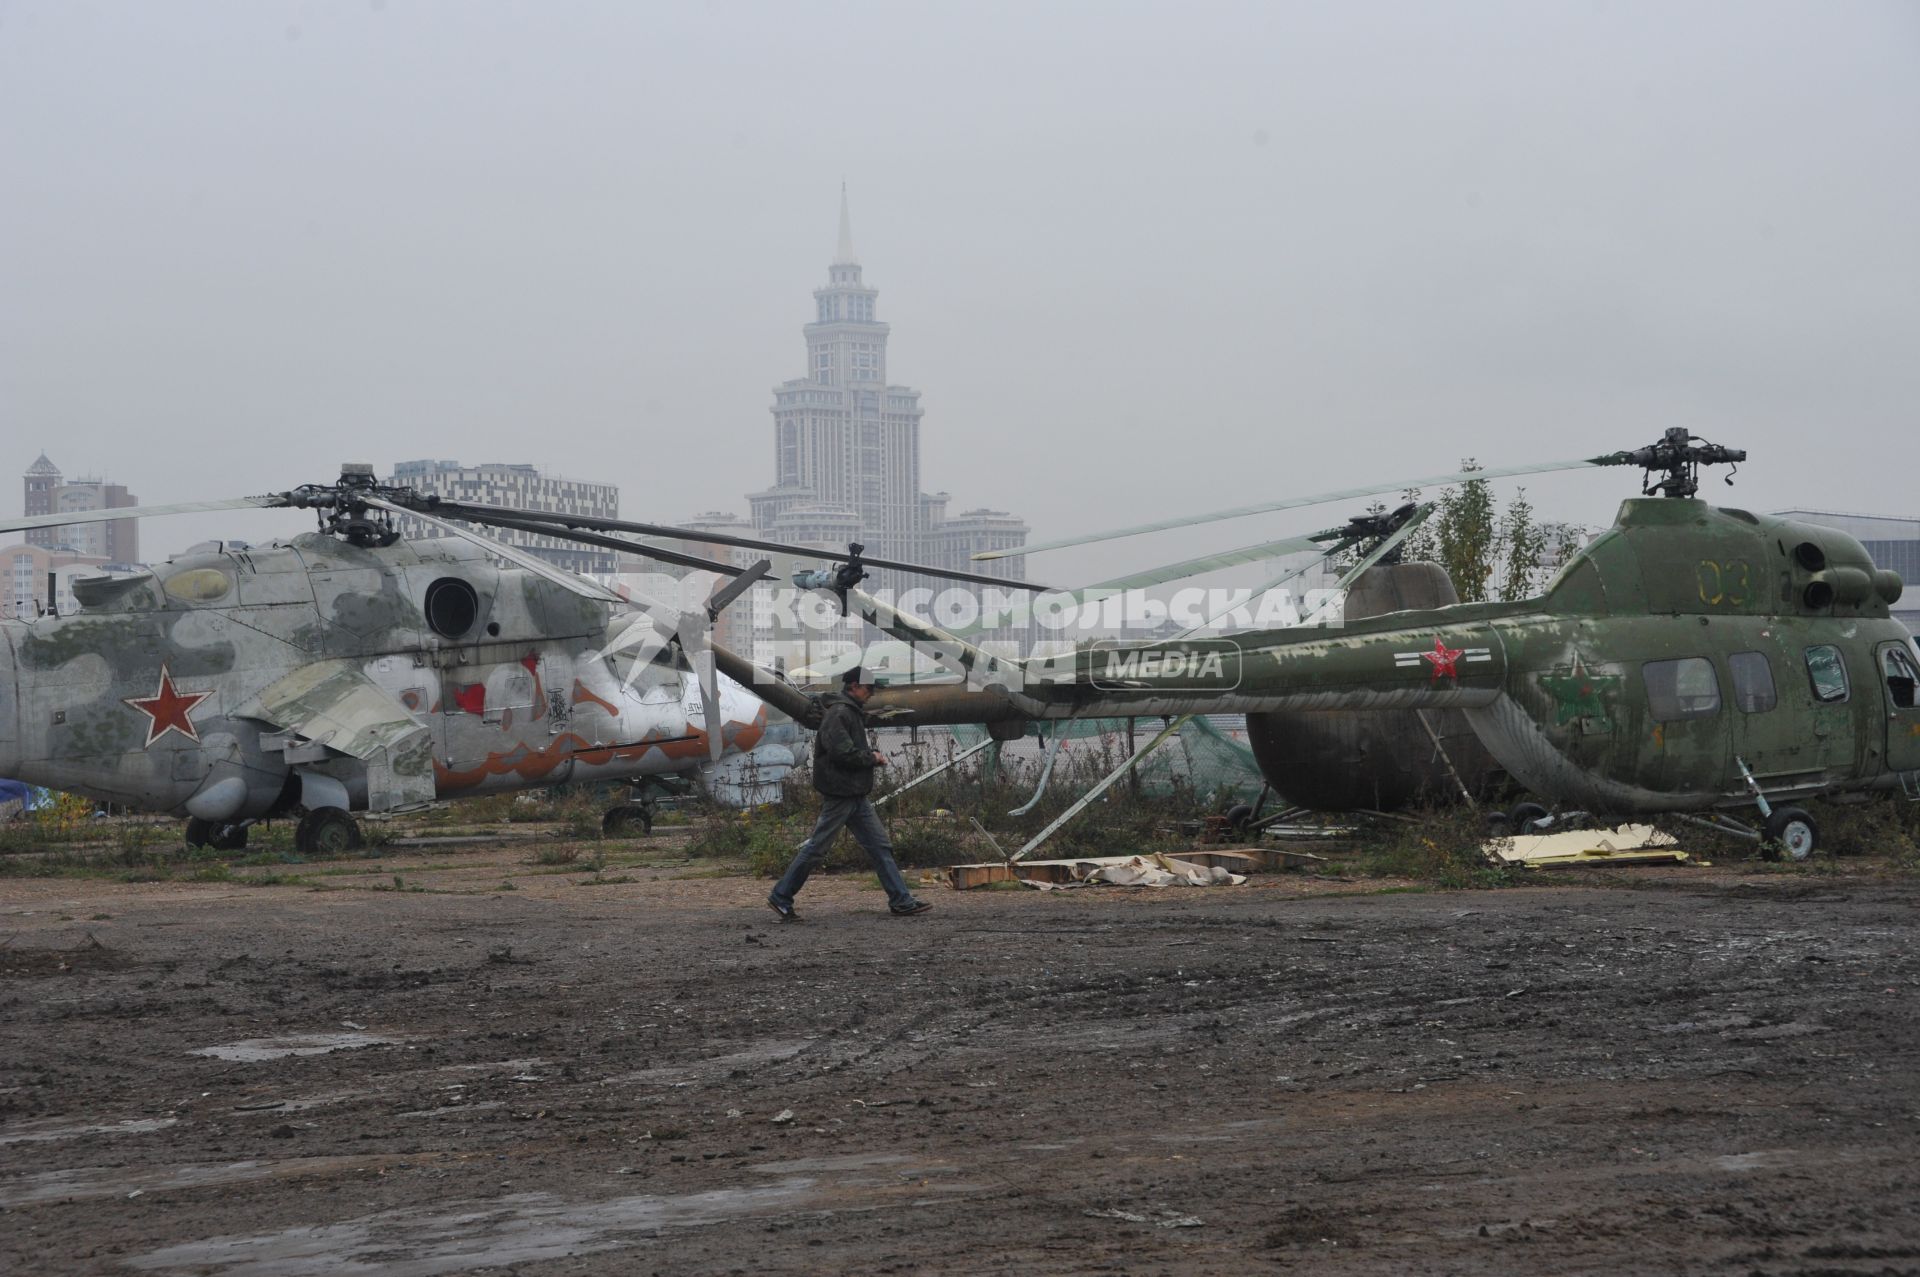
[(785, 911), (907, 911)]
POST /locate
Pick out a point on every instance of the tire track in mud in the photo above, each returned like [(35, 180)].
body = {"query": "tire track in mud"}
[(1563, 1068)]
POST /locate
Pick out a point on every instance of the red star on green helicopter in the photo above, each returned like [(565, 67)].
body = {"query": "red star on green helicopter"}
[(1445, 661)]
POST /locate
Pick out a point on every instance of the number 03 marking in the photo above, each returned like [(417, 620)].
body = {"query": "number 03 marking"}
[(1729, 583)]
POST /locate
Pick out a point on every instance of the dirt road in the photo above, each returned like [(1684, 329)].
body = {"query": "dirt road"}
[(1689, 1071)]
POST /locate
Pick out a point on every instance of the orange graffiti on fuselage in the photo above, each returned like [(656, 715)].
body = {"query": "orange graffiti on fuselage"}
[(534, 765), (581, 696)]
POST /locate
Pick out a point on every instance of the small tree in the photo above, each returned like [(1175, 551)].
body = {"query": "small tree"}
[(1420, 545), (1465, 532), (1522, 542)]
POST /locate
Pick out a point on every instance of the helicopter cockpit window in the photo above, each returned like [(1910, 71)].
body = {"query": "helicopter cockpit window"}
[(1685, 688), (1827, 672), (1902, 679), (1753, 691)]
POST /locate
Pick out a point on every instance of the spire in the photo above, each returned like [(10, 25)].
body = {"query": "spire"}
[(44, 466), (845, 256)]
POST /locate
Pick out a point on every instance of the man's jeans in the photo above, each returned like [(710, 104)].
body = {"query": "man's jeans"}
[(858, 815)]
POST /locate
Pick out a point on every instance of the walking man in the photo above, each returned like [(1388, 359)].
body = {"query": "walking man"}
[(843, 763)]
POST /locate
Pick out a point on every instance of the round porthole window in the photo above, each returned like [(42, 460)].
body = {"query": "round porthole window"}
[(452, 607)]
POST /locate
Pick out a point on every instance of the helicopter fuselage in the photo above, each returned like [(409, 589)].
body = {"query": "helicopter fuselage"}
[(236, 682), (1690, 658)]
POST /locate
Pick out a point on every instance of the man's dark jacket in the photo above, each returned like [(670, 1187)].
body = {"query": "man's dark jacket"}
[(842, 757)]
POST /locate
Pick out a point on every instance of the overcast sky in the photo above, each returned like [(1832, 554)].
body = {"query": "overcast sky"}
[(1138, 257)]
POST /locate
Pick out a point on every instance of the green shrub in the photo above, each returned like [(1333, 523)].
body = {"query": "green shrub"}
[(721, 837), (931, 842), (1886, 825)]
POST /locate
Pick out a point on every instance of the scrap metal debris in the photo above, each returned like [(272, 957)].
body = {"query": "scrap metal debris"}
[(1186, 869), (1150, 871), (1629, 844)]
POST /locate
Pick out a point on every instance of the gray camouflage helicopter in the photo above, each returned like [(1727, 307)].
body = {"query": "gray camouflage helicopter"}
[(350, 670)]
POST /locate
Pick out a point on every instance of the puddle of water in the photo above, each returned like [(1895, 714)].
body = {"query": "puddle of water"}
[(457, 1108), (253, 1050), (768, 1053), (521, 1228), (90, 1182), (1768, 1033), (1752, 1161), (41, 1132), (850, 1162), (488, 1066)]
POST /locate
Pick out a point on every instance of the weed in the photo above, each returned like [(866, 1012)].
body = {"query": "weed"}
[(273, 880), (1443, 847), (1887, 825), (711, 871)]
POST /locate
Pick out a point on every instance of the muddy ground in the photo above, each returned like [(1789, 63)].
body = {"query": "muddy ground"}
[(1669, 1069)]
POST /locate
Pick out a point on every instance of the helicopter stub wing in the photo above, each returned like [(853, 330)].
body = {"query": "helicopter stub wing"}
[(331, 707)]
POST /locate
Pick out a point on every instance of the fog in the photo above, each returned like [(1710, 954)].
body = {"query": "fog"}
[(1140, 259)]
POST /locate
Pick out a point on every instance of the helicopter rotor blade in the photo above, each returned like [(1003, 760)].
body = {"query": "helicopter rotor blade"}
[(269, 502), (693, 634), (643, 549), (949, 574), (727, 591), (553, 524), (1225, 559), (696, 640), (1294, 503)]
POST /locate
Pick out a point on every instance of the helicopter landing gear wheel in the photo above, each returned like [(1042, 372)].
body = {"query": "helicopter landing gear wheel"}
[(199, 833), (1239, 816), (631, 820), (326, 831), (1791, 833), (1523, 816)]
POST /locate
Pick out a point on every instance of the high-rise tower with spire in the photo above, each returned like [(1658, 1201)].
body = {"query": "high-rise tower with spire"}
[(847, 444)]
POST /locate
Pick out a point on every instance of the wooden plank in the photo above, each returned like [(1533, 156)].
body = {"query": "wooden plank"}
[(971, 877), (1233, 860)]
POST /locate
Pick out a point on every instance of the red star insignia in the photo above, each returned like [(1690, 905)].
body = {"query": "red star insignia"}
[(1445, 660), (168, 710)]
